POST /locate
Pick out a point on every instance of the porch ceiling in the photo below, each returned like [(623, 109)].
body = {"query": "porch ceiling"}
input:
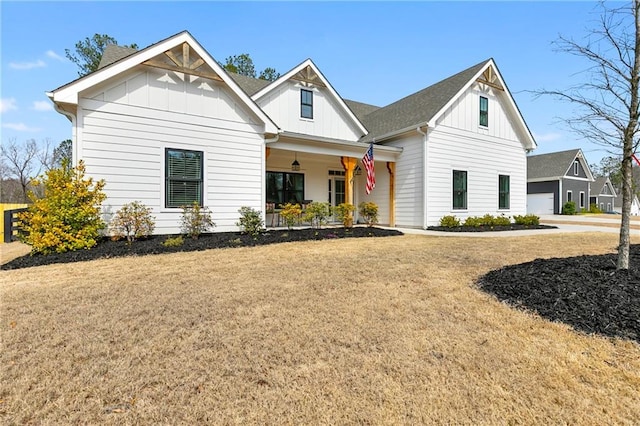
[(333, 147)]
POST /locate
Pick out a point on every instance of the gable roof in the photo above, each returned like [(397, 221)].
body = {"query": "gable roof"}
[(598, 185), (418, 108), (361, 109), (69, 93), (113, 53), (555, 165), (249, 84), (309, 74)]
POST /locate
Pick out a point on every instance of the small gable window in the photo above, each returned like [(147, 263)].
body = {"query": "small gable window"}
[(183, 176), (576, 167), (484, 111), (459, 190), (306, 103)]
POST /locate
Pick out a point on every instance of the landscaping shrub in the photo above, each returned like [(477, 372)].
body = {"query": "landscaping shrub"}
[(474, 221), (250, 221), (68, 216), (173, 241), (133, 221), (569, 208), (196, 220), (593, 208), (449, 221), (317, 214), (369, 212), (344, 213), (290, 213), (501, 220), (529, 220)]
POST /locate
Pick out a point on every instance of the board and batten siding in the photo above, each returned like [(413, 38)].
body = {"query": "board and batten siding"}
[(379, 195), (283, 106), (123, 133)]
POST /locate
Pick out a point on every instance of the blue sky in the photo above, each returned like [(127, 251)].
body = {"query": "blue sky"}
[(372, 52)]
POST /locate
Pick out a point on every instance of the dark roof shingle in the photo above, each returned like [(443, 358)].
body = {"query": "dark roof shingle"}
[(550, 165), (113, 53)]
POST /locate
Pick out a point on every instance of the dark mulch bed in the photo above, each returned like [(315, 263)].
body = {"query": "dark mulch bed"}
[(512, 227), (586, 292), (153, 245)]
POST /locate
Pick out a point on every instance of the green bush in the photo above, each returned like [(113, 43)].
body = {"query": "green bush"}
[(449, 221), (593, 208), (132, 221), (529, 220), (196, 220), (290, 213), (369, 212), (68, 217), (317, 214), (569, 208), (474, 221), (344, 213), (501, 220), (250, 221), (173, 241)]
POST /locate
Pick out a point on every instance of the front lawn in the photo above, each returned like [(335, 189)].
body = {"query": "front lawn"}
[(342, 331)]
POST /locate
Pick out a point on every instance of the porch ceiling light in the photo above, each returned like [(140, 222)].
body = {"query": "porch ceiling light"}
[(295, 166)]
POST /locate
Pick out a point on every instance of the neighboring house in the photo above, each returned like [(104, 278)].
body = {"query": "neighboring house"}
[(167, 125), (635, 205), (554, 179), (603, 194)]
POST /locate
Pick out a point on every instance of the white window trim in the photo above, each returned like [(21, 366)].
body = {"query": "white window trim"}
[(482, 126), (576, 168), (582, 200), (569, 198), (453, 210), (507, 208)]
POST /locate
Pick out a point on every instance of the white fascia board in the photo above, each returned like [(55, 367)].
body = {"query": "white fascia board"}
[(530, 143), (544, 179), (69, 93), (267, 89), (334, 147), (580, 157)]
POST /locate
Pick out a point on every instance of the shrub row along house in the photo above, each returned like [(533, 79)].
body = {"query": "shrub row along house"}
[(167, 125)]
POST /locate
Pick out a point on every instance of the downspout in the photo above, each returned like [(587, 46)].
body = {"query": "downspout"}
[(74, 131), (424, 174)]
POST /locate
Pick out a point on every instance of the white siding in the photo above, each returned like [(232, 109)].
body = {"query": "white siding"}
[(409, 181), (329, 121), (464, 114), (379, 195), (484, 159), (124, 129)]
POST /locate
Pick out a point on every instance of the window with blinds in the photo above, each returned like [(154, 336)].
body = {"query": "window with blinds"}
[(184, 175)]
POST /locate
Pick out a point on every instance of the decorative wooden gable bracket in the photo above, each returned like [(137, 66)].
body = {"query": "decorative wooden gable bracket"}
[(490, 79), (180, 60), (309, 76)]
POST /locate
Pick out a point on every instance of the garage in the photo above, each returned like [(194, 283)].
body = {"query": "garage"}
[(540, 203)]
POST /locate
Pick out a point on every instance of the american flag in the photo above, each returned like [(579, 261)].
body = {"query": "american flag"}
[(367, 161)]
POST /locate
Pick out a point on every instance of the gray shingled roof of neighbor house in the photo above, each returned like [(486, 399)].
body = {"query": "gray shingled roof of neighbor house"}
[(113, 53), (597, 185), (550, 165)]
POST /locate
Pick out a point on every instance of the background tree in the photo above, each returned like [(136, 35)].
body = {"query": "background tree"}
[(20, 164), (88, 52), (63, 154), (610, 167), (607, 102), (243, 64)]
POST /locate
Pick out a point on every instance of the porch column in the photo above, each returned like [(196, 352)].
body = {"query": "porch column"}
[(267, 151), (391, 167), (349, 165)]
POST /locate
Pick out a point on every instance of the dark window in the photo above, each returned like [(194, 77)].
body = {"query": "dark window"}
[(459, 189), (306, 103), (569, 196), (284, 187), (503, 192), (183, 174), (484, 111), (576, 167), (581, 200)]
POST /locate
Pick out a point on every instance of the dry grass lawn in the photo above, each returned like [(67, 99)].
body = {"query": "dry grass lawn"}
[(365, 331)]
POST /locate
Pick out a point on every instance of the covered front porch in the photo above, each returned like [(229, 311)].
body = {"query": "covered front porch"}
[(302, 170)]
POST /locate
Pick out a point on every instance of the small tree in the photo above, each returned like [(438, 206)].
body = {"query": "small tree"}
[(88, 52), (291, 214), (196, 220), (133, 221), (369, 212), (68, 216)]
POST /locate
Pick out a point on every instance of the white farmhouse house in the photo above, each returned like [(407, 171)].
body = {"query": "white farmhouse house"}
[(167, 125)]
